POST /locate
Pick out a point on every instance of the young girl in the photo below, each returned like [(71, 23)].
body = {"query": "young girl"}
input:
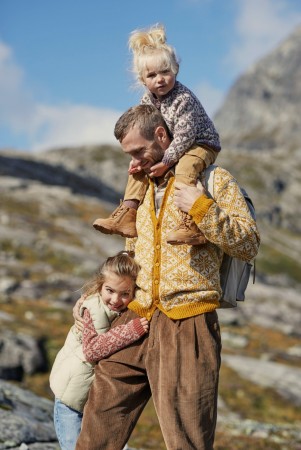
[(106, 297), (195, 141)]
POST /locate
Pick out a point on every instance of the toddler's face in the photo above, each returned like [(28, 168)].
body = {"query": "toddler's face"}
[(117, 292), (158, 80)]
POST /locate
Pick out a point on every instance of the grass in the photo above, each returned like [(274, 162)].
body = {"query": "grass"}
[(29, 255), (264, 341), (254, 402), (273, 262), (23, 209)]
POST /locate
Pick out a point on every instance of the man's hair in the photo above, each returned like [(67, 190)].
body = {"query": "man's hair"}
[(146, 117)]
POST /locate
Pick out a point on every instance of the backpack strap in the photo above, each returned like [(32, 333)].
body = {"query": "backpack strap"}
[(209, 180)]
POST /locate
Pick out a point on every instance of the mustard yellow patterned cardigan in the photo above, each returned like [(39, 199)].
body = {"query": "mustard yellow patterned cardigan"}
[(183, 280)]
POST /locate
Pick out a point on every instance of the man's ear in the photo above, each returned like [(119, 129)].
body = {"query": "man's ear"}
[(161, 135)]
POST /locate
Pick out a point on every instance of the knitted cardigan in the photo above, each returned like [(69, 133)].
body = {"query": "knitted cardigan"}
[(186, 120), (183, 280)]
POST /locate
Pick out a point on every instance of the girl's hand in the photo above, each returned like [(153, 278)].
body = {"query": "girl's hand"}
[(133, 168), (78, 319), (145, 324), (158, 170)]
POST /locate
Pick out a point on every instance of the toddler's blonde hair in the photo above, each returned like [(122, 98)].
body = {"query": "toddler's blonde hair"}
[(151, 44)]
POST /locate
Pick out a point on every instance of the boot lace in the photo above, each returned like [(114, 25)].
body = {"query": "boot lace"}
[(118, 211)]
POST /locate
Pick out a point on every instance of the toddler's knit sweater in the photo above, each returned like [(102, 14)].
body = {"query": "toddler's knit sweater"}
[(186, 120)]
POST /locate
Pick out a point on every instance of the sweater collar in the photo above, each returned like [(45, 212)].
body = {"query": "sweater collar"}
[(157, 102)]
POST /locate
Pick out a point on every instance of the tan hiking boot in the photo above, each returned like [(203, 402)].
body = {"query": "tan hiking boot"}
[(186, 233), (122, 221)]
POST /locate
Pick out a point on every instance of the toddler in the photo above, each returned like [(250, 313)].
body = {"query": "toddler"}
[(106, 297), (195, 141)]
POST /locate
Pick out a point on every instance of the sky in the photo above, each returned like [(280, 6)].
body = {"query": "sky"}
[(65, 68)]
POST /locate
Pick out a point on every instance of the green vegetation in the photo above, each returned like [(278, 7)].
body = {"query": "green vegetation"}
[(59, 260), (272, 261), (24, 209), (254, 402)]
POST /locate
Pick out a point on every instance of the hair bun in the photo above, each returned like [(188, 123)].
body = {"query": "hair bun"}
[(154, 37)]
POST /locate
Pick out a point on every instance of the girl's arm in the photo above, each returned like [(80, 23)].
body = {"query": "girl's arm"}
[(98, 346)]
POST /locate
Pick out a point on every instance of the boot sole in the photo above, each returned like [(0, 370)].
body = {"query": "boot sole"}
[(106, 231), (188, 242)]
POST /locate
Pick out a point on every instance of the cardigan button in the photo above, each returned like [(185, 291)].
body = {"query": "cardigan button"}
[(156, 281), (158, 246)]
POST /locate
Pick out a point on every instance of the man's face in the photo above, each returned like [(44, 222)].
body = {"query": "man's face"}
[(144, 153)]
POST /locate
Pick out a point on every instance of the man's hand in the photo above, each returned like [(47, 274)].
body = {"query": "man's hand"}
[(185, 196), (158, 170), (78, 319)]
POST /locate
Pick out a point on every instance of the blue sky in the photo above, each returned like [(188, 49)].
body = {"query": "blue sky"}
[(64, 64)]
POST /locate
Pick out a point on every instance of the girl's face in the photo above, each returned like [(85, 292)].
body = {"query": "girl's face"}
[(117, 291), (158, 80)]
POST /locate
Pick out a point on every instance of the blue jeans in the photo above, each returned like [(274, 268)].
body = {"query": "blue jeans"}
[(67, 424)]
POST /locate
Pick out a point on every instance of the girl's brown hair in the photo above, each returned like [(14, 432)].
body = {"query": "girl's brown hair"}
[(123, 265)]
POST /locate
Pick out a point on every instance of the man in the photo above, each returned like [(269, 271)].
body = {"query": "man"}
[(178, 291)]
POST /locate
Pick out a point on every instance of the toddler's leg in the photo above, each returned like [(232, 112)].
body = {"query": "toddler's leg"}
[(187, 171), (192, 163), (123, 220)]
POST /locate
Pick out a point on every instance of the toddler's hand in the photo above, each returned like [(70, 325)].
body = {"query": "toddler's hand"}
[(134, 169), (158, 170), (145, 324)]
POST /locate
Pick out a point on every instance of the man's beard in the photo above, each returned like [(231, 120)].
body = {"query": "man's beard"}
[(157, 153)]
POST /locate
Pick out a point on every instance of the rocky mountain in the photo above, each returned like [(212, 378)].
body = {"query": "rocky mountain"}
[(260, 129), (48, 250), (262, 110)]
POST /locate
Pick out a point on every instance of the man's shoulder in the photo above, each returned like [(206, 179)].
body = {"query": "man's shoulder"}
[(219, 173)]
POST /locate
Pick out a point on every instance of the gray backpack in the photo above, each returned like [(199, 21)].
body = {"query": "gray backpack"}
[(234, 273)]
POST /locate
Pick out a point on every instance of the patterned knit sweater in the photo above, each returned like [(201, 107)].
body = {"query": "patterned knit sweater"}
[(98, 346), (183, 281), (187, 122)]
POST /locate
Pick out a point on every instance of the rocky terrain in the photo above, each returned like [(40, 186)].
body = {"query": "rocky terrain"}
[(48, 249), (259, 123)]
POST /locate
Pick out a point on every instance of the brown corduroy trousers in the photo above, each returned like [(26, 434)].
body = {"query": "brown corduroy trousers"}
[(178, 364)]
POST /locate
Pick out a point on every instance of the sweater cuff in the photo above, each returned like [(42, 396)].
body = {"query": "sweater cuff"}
[(138, 327), (200, 208), (167, 162)]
